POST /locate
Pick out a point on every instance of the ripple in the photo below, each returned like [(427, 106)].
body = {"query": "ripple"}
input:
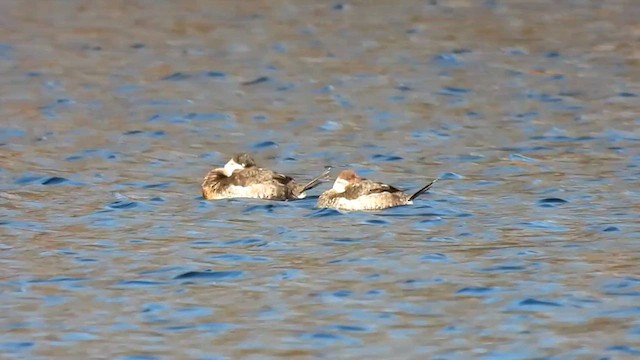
[(624, 287), (341, 7), (629, 312), (543, 97), (331, 126), (453, 91), (450, 176), (8, 133), (216, 328), (216, 74), (429, 223), (27, 179), (504, 269), (6, 51), (264, 145), (267, 208), (128, 89), (376, 222), (101, 154), (137, 284), (435, 257), (19, 346), (157, 185), (470, 158), (531, 302), (237, 258), (151, 134), (211, 328), (504, 171), (209, 117), (193, 312), (287, 87), (443, 239), (476, 291), (57, 280), (79, 337), (551, 202), (324, 213), (290, 274), (325, 339), (123, 205), (210, 275), (353, 261), (522, 158), (241, 243), (342, 101), (177, 76), (133, 132), (526, 149), (544, 225), (350, 328), (561, 138), (447, 60), (386, 158), (256, 81), (611, 229), (54, 181), (624, 349), (346, 241)]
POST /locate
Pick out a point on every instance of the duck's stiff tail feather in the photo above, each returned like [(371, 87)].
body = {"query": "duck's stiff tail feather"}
[(423, 190), (316, 181)]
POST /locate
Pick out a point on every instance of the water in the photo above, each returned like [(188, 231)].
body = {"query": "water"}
[(113, 112)]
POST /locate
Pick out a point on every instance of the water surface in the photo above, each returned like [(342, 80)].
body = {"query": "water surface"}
[(112, 112)]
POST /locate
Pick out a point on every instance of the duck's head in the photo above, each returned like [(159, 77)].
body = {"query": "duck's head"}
[(344, 179), (238, 162)]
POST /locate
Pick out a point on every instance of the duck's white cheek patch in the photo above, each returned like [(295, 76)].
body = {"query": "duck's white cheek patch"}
[(339, 186), (231, 166)]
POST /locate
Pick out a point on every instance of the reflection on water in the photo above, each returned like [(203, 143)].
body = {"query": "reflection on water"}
[(112, 112)]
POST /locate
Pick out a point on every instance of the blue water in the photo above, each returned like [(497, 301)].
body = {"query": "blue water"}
[(526, 247)]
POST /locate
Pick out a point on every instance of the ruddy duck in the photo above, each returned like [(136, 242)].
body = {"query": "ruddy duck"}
[(350, 192), (241, 178)]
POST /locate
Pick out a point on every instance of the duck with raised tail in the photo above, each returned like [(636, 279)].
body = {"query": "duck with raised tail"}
[(351, 192)]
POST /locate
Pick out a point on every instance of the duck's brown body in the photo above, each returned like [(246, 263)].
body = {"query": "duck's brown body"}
[(251, 183), (368, 195), (240, 178), (352, 193)]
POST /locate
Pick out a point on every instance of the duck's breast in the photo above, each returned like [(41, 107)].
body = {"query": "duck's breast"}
[(376, 201), (271, 190)]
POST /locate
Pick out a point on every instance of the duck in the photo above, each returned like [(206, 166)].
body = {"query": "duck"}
[(240, 177), (351, 192)]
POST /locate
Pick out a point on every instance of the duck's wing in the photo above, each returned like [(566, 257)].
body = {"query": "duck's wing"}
[(214, 182), (368, 187), (254, 175), (212, 177)]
